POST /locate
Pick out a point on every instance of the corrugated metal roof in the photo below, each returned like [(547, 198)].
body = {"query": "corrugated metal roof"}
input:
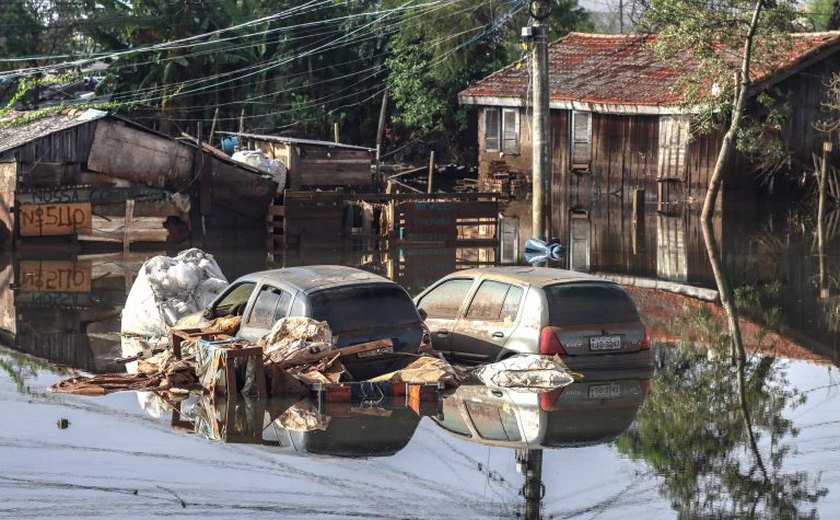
[(613, 69), (15, 136), (295, 140)]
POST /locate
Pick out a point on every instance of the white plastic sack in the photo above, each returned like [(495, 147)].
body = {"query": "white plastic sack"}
[(259, 160), (167, 289), (526, 373)]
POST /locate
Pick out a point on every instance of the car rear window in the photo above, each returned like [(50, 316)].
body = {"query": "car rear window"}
[(352, 308), (572, 304)]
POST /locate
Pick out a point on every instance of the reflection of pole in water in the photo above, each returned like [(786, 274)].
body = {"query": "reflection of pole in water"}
[(821, 217), (530, 462)]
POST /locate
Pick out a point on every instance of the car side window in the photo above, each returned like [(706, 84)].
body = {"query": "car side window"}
[(510, 307), (444, 300), (271, 305), (235, 300), (490, 301)]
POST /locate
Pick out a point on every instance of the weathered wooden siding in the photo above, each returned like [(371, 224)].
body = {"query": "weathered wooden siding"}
[(560, 160), (65, 146), (702, 155), (624, 152), (805, 92)]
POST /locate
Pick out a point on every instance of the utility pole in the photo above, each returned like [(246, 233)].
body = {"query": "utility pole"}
[(530, 463), (540, 128)]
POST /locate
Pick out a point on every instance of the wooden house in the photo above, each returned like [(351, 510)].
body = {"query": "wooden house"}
[(92, 176), (618, 122), (316, 164)]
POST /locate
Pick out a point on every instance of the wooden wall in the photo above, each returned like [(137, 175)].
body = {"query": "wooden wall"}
[(624, 152)]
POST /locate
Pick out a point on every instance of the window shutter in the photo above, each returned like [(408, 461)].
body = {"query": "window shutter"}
[(673, 147), (581, 139), (491, 129)]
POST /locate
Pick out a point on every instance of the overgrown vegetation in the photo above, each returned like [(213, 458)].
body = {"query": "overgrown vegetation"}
[(307, 65)]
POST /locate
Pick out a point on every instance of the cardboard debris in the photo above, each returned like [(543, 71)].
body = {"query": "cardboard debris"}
[(302, 417), (425, 369), (293, 336), (527, 373)]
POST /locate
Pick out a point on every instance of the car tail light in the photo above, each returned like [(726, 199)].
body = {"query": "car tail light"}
[(549, 344), (645, 341), (549, 399)]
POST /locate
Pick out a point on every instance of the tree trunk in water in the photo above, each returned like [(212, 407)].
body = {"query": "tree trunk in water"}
[(724, 160)]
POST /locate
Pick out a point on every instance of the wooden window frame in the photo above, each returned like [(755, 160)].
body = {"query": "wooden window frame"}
[(498, 138)]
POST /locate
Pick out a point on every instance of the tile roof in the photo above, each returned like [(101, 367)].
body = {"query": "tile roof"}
[(610, 69)]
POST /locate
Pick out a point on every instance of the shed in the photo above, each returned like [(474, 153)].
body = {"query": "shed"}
[(70, 174), (313, 163)]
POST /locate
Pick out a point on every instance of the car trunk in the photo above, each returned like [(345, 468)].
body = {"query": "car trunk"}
[(594, 319), (358, 314)]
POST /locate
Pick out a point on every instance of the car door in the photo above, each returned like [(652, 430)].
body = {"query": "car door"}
[(271, 304), (489, 320), (442, 304)]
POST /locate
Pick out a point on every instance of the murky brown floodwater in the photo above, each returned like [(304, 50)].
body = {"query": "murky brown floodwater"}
[(617, 446)]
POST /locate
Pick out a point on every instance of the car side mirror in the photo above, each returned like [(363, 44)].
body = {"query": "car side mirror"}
[(423, 314), (209, 313)]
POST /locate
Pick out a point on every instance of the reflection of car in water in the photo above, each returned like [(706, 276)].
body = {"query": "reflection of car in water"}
[(369, 433), (593, 411), (301, 426), (358, 306), (487, 314)]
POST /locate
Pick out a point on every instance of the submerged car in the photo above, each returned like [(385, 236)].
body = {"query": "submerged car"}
[(358, 306), (481, 315)]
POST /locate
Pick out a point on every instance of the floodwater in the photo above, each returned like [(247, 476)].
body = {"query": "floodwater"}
[(682, 444)]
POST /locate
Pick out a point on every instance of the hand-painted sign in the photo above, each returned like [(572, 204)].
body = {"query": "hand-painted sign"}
[(430, 221), (55, 219), (54, 276)]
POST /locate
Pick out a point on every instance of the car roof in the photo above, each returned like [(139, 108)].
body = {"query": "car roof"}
[(537, 276), (314, 277)]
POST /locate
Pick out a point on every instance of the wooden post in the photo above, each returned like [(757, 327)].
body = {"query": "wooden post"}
[(824, 293), (335, 131), (638, 205), (377, 176), (213, 126), (638, 221), (129, 216), (431, 170)]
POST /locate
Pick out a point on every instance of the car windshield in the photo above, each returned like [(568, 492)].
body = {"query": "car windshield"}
[(371, 306), (573, 304)]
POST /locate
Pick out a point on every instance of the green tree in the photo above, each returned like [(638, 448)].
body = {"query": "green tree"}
[(700, 420), (431, 62)]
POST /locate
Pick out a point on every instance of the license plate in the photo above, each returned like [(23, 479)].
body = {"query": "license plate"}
[(605, 343), (376, 352), (606, 391)]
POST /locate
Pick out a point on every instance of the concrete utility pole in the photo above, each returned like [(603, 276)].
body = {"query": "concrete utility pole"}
[(540, 127)]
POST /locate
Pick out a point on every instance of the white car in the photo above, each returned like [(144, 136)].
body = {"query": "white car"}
[(480, 315)]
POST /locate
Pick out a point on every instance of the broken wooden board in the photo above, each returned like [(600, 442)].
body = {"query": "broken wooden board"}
[(140, 229), (140, 156), (55, 219)]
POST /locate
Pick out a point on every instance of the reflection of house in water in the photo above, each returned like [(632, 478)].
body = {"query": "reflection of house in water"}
[(66, 311)]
